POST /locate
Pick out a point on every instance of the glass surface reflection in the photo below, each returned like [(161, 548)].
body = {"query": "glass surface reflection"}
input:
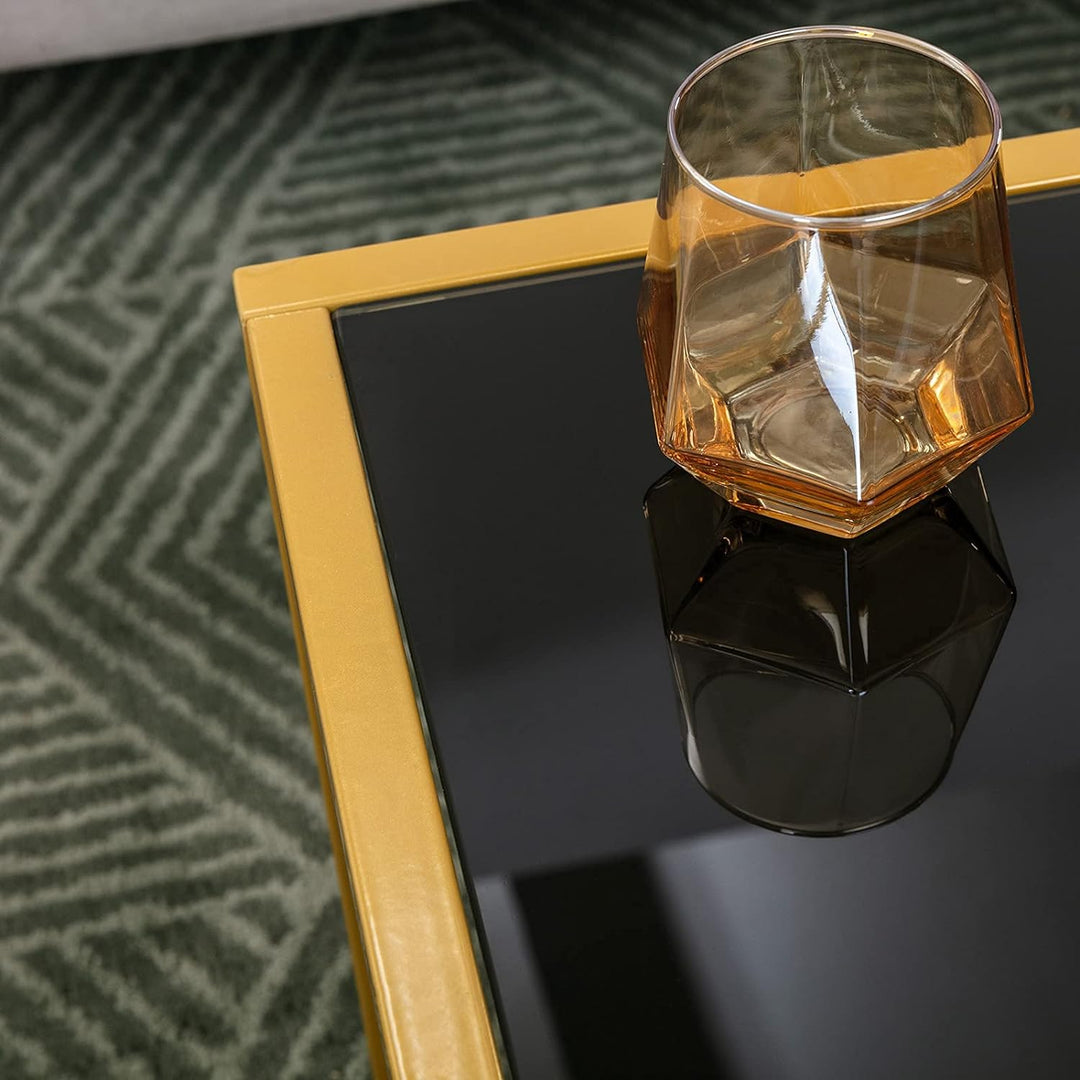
[(824, 683)]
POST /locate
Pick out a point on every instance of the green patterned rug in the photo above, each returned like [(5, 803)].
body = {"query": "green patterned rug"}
[(168, 907)]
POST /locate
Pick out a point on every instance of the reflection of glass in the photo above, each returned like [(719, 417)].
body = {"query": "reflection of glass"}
[(824, 683), (827, 313)]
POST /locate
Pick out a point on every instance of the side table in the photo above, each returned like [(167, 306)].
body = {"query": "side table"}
[(427, 819)]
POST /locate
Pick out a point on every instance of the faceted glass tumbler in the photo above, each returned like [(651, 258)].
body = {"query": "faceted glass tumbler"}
[(824, 683), (828, 311)]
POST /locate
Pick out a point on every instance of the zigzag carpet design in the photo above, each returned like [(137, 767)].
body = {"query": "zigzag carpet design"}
[(168, 906)]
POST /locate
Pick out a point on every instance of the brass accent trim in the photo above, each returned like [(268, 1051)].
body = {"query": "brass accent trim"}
[(1042, 162), (540, 245), (446, 260), (423, 1004), (426, 1009)]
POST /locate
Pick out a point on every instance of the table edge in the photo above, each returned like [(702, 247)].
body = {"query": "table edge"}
[(513, 249), (421, 993)]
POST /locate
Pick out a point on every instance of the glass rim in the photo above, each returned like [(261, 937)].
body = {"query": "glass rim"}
[(849, 222)]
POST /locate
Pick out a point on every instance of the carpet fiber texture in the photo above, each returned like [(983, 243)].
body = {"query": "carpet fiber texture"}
[(168, 905)]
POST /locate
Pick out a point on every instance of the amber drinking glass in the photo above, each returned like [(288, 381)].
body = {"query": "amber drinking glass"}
[(828, 312)]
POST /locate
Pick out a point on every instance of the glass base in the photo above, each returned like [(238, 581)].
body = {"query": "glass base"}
[(820, 509)]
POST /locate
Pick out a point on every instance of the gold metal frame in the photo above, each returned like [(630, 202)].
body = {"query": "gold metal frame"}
[(421, 994)]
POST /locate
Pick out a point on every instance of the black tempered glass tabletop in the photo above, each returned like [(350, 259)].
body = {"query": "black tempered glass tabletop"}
[(634, 925)]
